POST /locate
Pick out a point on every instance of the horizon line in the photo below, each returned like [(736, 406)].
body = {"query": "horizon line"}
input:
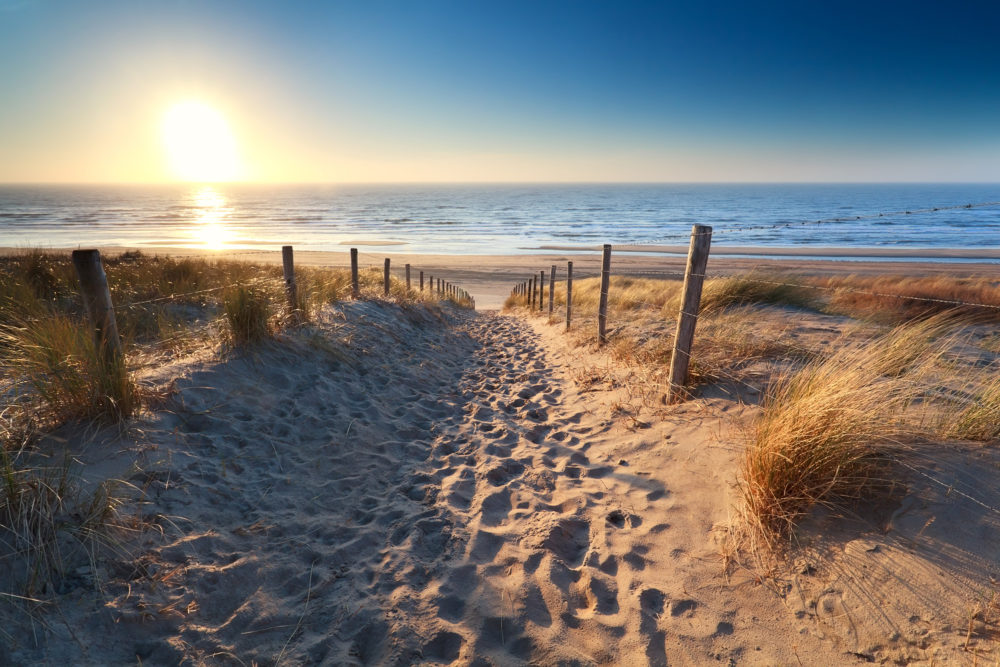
[(554, 182)]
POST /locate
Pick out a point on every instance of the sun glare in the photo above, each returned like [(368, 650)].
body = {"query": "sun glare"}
[(211, 230), (199, 144)]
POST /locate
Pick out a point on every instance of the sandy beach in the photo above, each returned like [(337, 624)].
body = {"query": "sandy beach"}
[(391, 485)]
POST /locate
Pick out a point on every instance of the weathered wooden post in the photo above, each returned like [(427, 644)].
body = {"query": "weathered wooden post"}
[(569, 293), (552, 290), (407, 277), (97, 303), (386, 276), (531, 297), (694, 278), (421, 281), (355, 287), (541, 289), (602, 312), (291, 289)]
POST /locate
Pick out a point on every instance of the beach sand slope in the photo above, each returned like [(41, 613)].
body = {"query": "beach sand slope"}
[(379, 488)]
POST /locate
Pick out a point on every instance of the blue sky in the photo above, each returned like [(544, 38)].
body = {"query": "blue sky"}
[(549, 91)]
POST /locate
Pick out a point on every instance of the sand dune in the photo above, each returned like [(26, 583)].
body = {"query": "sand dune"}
[(391, 486)]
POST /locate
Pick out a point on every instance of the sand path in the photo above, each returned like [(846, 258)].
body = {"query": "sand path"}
[(440, 496)]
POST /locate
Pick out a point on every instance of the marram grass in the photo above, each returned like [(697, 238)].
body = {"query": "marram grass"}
[(827, 432), (57, 356)]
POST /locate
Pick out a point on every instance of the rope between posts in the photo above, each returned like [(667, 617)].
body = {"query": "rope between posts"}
[(843, 288), (202, 291), (953, 302)]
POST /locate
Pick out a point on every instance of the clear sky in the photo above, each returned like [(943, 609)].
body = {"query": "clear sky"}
[(426, 90)]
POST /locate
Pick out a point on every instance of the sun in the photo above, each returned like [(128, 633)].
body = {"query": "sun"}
[(199, 144)]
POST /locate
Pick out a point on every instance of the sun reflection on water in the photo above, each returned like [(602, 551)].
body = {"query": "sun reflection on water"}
[(210, 229)]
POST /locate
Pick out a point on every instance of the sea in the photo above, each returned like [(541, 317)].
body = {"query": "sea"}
[(501, 219)]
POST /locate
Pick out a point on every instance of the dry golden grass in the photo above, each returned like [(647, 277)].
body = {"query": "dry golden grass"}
[(56, 355), (826, 431), (642, 315), (839, 399), (248, 313), (980, 418), (877, 297)]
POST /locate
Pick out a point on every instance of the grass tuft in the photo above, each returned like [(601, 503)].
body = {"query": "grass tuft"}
[(57, 356), (980, 420), (825, 431), (248, 313)]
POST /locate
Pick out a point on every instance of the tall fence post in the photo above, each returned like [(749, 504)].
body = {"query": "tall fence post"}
[(355, 287), (288, 265), (386, 277), (569, 293), (602, 313), (97, 303), (541, 289), (421, 281), (694, 278), (531, 287), (552, 290), (407, 277)]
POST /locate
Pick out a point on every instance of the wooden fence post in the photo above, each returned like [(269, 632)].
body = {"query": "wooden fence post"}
[(552, 290), (602, 312), (386, 276), (531, 288), (97, 303), (421, 281), (355, 287), (288, 265), (694, 278), (541, 290), (569, 293), (407, 277)]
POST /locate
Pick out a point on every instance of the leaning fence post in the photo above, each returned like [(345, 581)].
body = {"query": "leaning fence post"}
[(407, 277), (386, 277), (355, 288), (694, 278), (569, 293), (288, 265), (552, 290), (97, 303), (602, 313)]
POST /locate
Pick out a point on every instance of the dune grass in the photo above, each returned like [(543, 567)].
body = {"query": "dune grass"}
[(57, 356), (728, 291), (52, 373), (979, 419), (877, 297), (826, 432), (48, 522), (248, 314)]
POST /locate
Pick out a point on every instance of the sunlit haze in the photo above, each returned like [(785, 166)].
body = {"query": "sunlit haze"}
[(543, 91), (199, 144)]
